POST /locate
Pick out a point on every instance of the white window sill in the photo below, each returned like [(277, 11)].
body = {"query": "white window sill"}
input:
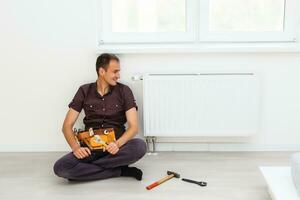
[(203, 48)]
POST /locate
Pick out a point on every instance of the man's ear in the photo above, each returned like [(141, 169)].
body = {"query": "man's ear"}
[(101, 71)]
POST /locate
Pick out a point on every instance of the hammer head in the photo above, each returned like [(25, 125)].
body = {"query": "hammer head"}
[(176, 175)]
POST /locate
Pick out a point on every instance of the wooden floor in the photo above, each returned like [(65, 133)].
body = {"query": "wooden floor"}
[(230, 175)]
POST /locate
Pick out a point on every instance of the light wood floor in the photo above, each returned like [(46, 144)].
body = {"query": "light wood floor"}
[(230, 175)]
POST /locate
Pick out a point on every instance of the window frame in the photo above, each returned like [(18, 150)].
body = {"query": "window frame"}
[(107, 36), (130, 43)]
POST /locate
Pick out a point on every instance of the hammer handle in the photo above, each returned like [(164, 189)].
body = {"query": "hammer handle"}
[(159, 182)]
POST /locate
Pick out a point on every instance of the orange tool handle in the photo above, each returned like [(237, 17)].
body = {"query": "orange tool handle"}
[(149, 187), (160, 181)]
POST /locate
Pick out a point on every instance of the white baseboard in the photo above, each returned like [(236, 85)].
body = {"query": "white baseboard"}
[(225, 147), (166, 147), (34, 148)]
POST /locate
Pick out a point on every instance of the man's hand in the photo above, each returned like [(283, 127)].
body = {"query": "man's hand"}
[(82, 152), (112, 148)]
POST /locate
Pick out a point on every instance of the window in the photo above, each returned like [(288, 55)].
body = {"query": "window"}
[(137, 21), (252, 15), (248, 21), (148, 16), (197, 23)]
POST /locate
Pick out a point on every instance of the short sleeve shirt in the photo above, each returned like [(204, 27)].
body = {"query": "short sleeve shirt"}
[(106, 111)]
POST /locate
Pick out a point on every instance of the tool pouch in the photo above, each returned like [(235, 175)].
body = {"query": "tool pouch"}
[(96, 139)]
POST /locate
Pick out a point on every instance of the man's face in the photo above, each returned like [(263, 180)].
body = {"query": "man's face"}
[(112, 74)]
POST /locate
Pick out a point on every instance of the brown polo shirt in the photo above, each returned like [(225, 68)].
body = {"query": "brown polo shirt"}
[(106, 111)]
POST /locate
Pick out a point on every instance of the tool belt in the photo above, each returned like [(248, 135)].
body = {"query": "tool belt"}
[(96, 139)]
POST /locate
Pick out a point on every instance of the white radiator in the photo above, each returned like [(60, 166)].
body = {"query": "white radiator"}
[(211, 104)]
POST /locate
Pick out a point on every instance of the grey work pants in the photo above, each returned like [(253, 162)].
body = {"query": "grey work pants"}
[(106, 166)]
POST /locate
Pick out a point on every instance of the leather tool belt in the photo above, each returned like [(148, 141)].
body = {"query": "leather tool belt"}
[(96, 139)]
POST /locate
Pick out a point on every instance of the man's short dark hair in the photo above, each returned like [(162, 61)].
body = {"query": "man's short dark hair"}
[(104, 59)]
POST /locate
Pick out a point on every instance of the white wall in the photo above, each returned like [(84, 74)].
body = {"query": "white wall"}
[(48, 49)]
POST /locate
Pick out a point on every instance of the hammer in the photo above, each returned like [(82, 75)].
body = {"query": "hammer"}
[(170, 175)]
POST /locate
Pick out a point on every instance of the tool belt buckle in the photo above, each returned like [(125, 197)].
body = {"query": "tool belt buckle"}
[(96, 139)]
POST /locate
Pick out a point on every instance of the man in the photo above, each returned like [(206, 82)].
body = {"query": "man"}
[(107, 104)]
